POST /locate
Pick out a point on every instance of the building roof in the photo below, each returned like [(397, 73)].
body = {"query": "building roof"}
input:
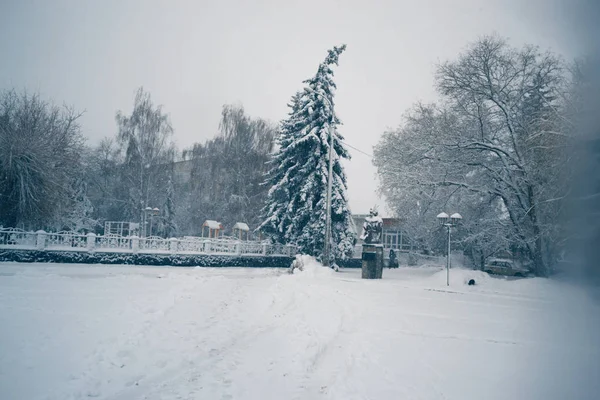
[(241, 226), (392, 222), (212, 224)]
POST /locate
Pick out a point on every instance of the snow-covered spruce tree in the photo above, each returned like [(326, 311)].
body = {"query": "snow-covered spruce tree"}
[(295, 211), (80, 217)]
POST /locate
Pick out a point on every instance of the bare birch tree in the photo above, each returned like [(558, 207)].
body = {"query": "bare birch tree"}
[(145, 136)]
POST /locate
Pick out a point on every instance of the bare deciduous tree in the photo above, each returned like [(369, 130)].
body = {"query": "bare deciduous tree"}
[(40, 148), (145, 136), (228, 170), (496, 147)]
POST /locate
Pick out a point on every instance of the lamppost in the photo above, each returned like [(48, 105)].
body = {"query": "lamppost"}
[(327, 246), (145, 212), (155, 211), (448, 222)]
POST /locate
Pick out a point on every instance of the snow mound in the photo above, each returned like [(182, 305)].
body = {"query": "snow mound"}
[(460, 276), (308, 266)]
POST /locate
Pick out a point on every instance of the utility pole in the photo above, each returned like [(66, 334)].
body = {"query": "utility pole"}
[(449, 226), (327, 249), (327, 244)]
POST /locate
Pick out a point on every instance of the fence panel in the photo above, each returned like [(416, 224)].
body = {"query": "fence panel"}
[(222, 247), (153, 244), (73, 241), (191, 246), (251, 248), (66, 241), (17, 239), (114, 243)]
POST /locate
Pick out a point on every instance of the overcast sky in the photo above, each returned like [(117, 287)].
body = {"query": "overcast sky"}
[(195, 56)]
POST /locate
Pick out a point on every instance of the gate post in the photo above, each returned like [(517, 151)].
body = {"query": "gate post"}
[(40, 240), (91, 242)]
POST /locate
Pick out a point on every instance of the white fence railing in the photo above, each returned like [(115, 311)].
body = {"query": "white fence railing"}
[(12, 238), (17, 238)]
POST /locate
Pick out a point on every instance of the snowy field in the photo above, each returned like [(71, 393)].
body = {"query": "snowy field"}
[(126, 333)]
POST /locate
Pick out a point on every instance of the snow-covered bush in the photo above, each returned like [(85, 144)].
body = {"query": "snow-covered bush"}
[(297, 264), (308, 266)]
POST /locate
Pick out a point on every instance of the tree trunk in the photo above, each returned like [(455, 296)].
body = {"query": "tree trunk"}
[(538, 250)]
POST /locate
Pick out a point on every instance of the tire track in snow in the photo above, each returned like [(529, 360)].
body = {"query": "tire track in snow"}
[(334, 357), (184, 380)]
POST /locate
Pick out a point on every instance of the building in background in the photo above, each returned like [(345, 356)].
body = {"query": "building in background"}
[(393, 236)]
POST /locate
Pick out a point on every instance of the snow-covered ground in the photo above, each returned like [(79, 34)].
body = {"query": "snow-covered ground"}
[(126, 333)]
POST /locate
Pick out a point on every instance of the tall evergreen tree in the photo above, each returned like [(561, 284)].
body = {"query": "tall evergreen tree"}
[(296, 206)]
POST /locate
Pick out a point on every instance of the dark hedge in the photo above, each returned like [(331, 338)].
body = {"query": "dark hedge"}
[(351, 263), (201, 260)]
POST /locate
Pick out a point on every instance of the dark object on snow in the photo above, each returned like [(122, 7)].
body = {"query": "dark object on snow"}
[(471, 282), (372, 261), (393, 260)]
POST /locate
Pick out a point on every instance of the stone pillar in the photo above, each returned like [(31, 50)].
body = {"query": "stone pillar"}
[(372, 261), (135, 244), (40, 240), (289, 250), (91, 242), (264, 249), (173, 245)]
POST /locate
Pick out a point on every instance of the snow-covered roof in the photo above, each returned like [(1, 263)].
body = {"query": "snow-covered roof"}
[(241, 226), (212, 224)]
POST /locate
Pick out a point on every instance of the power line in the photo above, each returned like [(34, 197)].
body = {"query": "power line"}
[(359, 150)]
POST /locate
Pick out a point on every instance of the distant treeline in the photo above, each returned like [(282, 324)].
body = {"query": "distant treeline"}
[(50, 179)]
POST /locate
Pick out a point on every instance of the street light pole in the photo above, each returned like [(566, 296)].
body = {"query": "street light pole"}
[(448, 222), (143, 230), (145, 212), (155, 211), (448, 258)]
